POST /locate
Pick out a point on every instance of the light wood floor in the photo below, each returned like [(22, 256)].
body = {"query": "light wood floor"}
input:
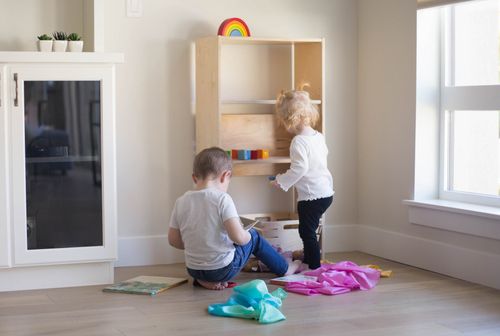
[(411, 302)]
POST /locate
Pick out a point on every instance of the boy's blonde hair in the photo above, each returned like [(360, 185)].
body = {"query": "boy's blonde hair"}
[(294, 109), (211, 162)]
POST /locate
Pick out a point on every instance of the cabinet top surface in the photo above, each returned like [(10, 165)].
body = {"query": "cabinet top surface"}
[(59, 57), (261, 40)]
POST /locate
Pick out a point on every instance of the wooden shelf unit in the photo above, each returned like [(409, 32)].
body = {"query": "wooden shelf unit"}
[(237, 80)]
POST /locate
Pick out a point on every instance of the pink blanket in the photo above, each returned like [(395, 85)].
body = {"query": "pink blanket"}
[(338, 278)]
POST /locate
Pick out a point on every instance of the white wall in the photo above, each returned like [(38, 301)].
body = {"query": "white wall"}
[(386, 146), (155, 122), (21, 21)]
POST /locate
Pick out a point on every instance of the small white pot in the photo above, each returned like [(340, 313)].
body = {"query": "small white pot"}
[(44, 45), (75, 46), (60, 46)]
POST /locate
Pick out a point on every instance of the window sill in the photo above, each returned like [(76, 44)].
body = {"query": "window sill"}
[(477, 220)]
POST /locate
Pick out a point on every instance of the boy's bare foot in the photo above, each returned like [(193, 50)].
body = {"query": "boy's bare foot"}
[(211, 285), (293, 267)]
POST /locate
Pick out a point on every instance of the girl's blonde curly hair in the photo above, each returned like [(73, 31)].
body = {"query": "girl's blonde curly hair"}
[(295, 110)]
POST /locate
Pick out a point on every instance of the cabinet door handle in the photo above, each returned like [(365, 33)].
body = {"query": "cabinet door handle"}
[(0, 90), (16, 98)]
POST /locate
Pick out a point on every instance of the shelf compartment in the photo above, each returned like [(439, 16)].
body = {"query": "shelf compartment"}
[(259, 168), (254, 131)]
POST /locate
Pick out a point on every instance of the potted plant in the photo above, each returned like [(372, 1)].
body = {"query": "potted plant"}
[(75, 43), (44, 43), (60, 41)]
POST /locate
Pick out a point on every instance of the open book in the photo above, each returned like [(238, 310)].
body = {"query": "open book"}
[(248, 223), (282, 281), (145, 285)]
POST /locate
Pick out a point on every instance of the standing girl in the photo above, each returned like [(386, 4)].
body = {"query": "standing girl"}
[(308, 171)]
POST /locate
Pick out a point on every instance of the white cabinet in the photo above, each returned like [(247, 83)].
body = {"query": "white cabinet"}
[(4, 183), (57, 171)]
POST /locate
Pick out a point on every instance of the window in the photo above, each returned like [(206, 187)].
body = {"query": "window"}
[(469, 102)]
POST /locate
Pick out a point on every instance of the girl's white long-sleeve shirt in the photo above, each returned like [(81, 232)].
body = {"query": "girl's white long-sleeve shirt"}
[(308, 169)]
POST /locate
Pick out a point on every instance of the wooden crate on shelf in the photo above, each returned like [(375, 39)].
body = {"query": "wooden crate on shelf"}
[(280, 229)]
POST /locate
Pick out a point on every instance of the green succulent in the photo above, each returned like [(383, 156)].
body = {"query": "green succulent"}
[(44, 37), (60, 36), (74, 37)]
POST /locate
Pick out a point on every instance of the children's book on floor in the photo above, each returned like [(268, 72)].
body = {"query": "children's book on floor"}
[(145, 285), (282, 281)]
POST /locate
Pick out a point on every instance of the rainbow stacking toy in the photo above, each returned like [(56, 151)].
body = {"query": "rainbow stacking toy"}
[(233, 27)]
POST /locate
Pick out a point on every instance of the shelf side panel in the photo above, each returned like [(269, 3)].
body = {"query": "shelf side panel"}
[(207, 94), (308, 68), (254, 131)]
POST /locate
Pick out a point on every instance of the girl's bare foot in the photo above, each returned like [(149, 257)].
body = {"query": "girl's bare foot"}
[(212, 285), (293, 267)]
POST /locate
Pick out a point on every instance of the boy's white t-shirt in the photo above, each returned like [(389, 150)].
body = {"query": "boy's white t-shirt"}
[(200, 217), (308, 169)]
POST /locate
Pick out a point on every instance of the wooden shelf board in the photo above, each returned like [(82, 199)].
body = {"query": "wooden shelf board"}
[(271, 160), (258, 101), (265, 40)]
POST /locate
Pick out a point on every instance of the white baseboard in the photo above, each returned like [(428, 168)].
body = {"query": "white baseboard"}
[(458, 262), (339, 238), (147, 250), (155, 250), (466, 264), (56, 276)]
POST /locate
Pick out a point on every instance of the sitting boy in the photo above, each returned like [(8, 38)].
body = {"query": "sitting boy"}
[(206, 225)]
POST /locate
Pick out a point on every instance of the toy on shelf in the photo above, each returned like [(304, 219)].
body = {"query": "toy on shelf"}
[(244, 154), (247, 154), (234, 27)]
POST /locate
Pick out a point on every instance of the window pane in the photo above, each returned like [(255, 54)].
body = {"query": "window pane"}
[(475, 149), (475, 43)]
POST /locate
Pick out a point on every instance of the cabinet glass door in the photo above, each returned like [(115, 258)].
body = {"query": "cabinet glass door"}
[(63, 164)]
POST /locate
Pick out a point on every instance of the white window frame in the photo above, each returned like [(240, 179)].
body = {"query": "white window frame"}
[(453, 98)]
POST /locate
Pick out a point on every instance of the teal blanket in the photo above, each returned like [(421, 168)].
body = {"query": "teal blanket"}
[(252, 300)]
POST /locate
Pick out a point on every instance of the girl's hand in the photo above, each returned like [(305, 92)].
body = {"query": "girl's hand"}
[(275, 184)]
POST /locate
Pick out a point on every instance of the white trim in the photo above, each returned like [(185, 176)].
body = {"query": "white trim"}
[(56, 57), (155, 250), (339, 238), (422, 4), (4, 177), (457, 98), (466, 218), (475, 98), (470, 265), (433, 255), (98, 25), (27, 278)]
